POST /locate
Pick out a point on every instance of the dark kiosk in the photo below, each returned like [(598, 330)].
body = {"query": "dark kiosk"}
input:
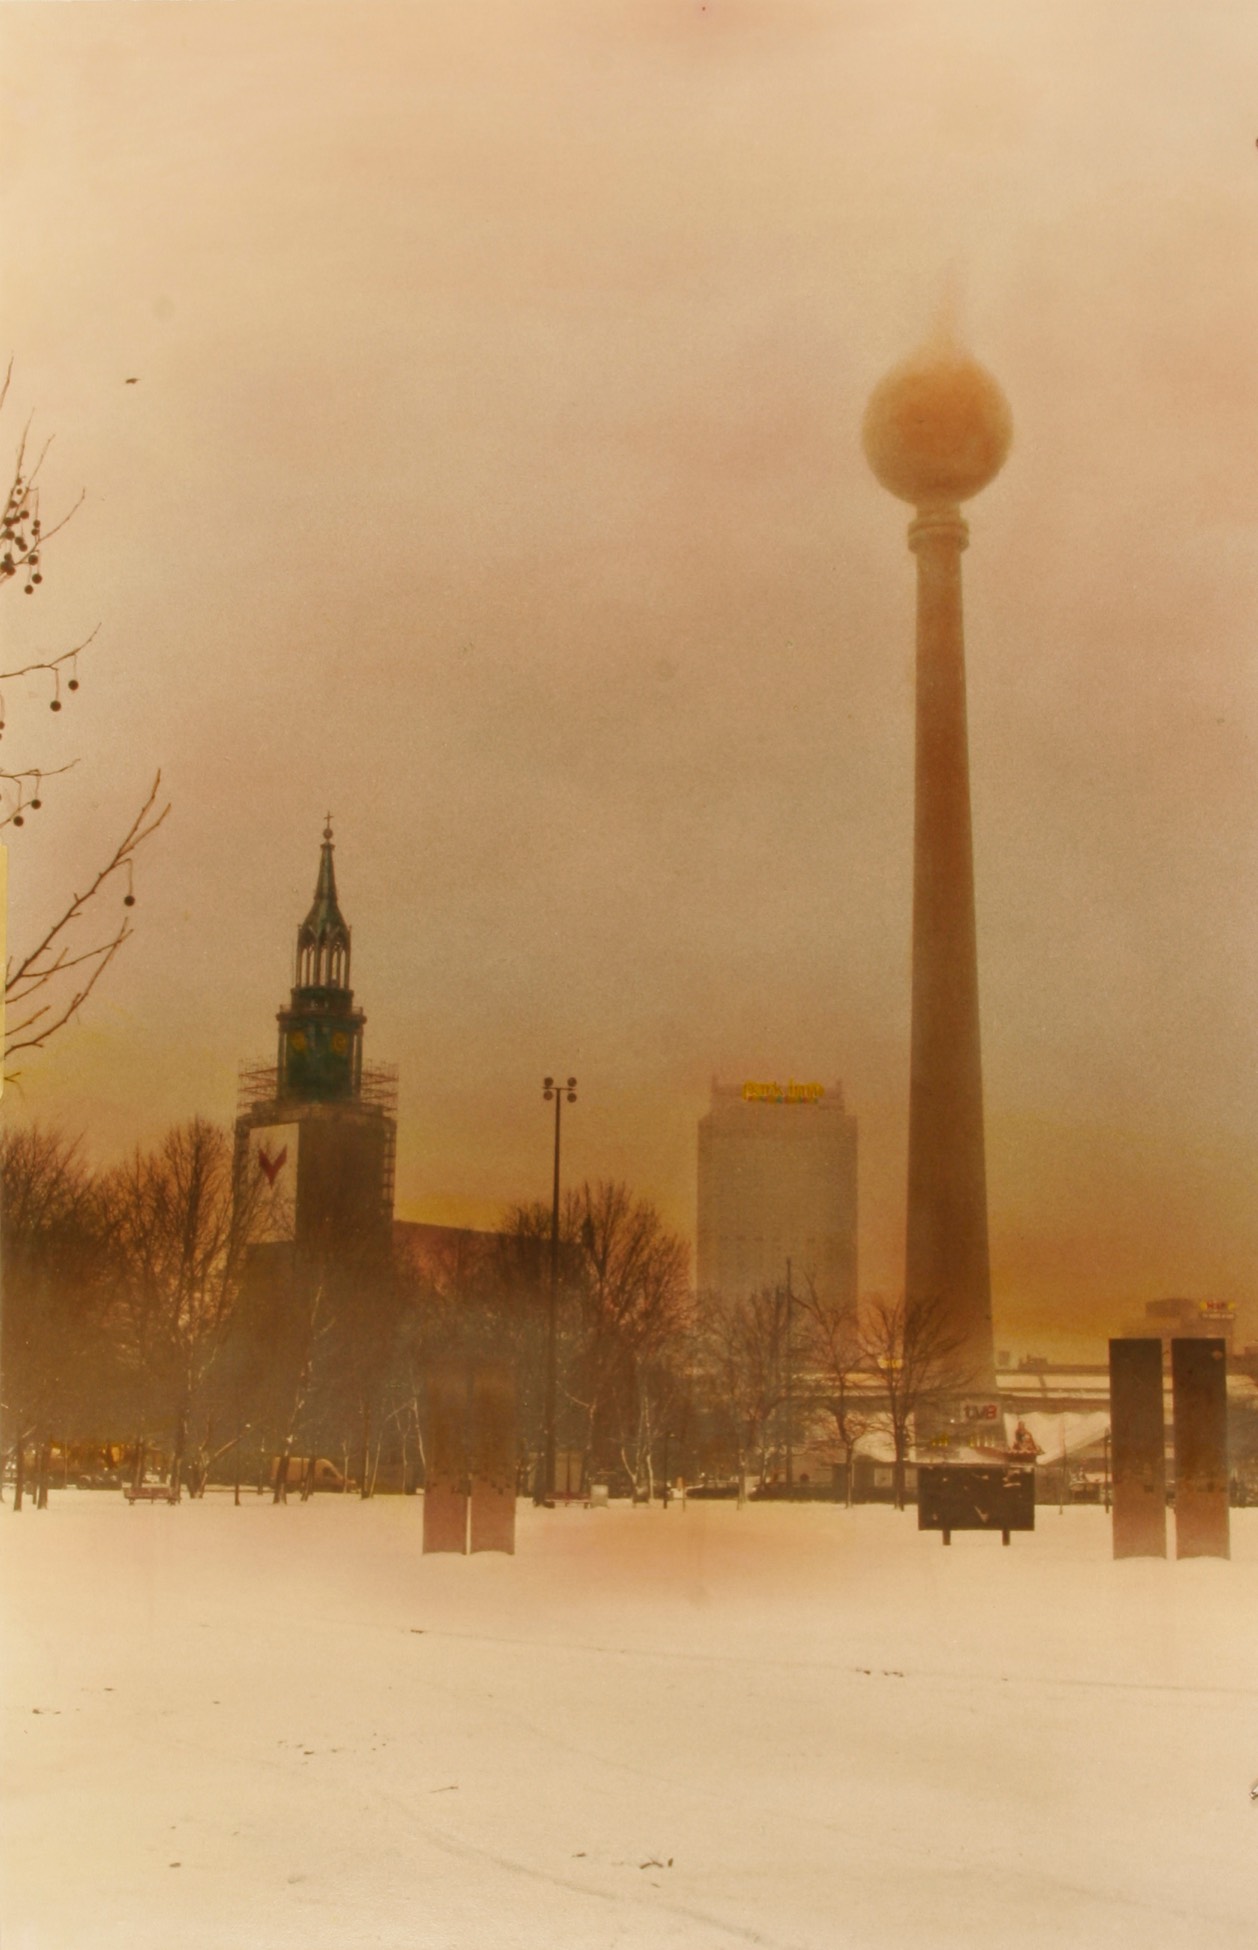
[(975, 1496)]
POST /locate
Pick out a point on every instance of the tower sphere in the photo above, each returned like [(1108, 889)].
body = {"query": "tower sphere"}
[(937, 428)]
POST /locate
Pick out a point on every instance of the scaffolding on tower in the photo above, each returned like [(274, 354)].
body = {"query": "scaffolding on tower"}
[(256, 1086)]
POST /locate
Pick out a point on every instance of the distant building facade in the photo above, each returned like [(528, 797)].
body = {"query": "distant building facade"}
[(777, 1181), (458, 1261), (1187, 1320)]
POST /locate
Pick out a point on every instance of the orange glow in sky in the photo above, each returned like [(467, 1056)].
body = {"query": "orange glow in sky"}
[(492, 475)]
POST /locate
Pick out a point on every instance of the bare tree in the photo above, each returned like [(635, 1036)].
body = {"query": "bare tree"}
[(660, 1397), (314, 1333), (840, 1379), (623, 1296), (181, 1228), (634, 1299), (54, 1359), (362, 1340), (521, 1307), (465, 1296), (917, 1358), (742, 1342), (47, 984)]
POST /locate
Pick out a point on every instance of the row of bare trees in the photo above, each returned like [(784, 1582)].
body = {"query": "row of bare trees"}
[(119, 1287), (147, 1303), (826, 1377), (651, 1373), (141, 1310)]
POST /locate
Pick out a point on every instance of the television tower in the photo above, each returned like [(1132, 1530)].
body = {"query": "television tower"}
[(937, 430)]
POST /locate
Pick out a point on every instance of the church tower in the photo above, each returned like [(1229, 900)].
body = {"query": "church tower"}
[(318, 1125), (321, 1032)]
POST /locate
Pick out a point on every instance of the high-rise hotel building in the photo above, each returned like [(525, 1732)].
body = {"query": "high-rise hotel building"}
[(777, 1181)]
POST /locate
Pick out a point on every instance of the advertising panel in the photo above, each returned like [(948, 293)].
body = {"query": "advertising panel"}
[(271, 1169)]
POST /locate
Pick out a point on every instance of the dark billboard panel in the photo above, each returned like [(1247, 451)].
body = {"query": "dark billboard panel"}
[(493, 1458), (1199, 1389), (445, 1460), (1137, 1448)]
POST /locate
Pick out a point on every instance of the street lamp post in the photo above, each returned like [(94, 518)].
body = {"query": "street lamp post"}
[(546, 1487)]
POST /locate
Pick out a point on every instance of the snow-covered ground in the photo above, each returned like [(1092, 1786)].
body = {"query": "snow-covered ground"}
[(800, 1727)]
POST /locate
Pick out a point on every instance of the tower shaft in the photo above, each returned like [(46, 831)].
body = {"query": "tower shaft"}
[(947, 1255)]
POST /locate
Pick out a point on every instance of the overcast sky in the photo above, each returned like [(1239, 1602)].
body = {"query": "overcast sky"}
[(493, 478)]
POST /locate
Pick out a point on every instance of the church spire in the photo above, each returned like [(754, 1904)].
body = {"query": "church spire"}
[(323, 939)]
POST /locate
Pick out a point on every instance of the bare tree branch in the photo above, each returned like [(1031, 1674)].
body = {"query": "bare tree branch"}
[(22, 533), (145, 823), (51, 957), (38, 1003), (15, 815), (18, 1039), (50, 663)]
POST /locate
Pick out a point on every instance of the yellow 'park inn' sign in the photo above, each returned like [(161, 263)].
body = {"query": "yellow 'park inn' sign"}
[(773, 1093)]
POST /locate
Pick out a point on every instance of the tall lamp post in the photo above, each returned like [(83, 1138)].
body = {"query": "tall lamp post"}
[(546, 1487)]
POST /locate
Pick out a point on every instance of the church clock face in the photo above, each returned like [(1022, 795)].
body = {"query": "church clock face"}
[(319, 1060)]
